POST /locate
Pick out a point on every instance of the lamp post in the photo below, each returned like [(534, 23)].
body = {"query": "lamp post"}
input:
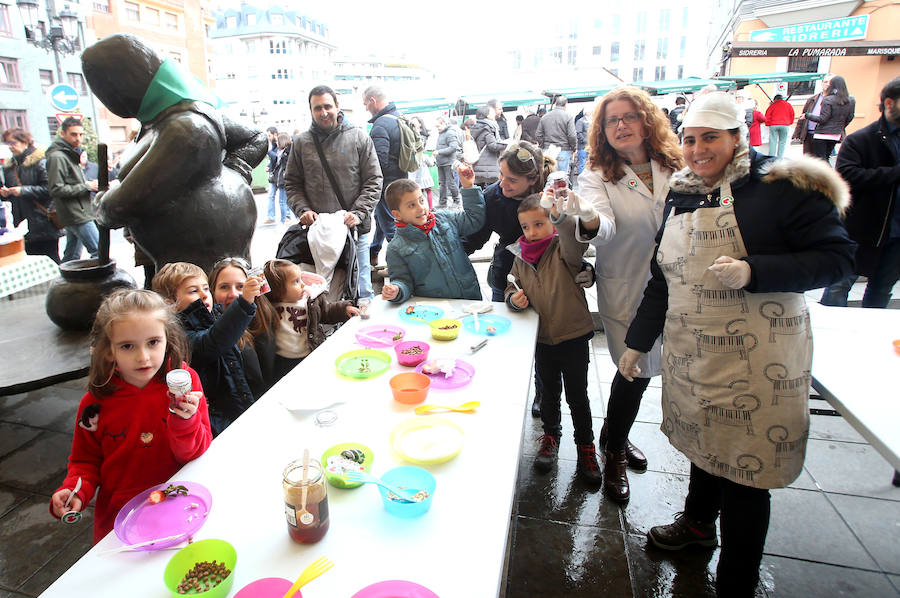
[(62, 36)]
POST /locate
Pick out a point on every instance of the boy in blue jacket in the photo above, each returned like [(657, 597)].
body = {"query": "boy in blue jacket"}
[(214, 353), (426, 256)]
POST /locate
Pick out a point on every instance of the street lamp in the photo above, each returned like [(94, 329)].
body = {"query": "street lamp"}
[(62, 36)]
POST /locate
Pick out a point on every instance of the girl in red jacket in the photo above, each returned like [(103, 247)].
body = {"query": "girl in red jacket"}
[(127, 437)]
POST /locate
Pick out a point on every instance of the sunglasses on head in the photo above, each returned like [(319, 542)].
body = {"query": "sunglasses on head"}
[(523, 155), (238, 262)]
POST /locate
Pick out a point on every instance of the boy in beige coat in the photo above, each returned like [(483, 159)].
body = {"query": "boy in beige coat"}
[(544, 271)]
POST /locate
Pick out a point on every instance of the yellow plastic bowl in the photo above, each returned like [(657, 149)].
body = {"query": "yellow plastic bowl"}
[(440, 330)]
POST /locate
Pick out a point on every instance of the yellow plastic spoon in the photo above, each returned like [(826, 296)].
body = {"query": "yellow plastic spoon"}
[(463, 408)]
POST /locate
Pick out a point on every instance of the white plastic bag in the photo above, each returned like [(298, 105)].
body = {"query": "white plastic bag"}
[(327, 237), (470, 151)]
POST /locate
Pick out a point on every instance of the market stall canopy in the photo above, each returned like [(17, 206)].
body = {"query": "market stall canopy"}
[(579, 94), (425, 105), (688, 85), (762, 78), (468, 104)]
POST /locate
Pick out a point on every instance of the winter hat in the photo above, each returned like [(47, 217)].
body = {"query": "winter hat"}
[(714, 110)]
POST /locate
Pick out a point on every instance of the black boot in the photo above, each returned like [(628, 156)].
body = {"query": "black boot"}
[(536, 404)]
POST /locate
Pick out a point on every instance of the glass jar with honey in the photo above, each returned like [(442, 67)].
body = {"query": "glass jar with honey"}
[(305, 501)]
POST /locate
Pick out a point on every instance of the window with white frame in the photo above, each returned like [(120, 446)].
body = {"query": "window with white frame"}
[(132, 11), (5, 22), (76, 80), (13, 118), (151, 16), (46, 79), (171, 21), (9, 74)]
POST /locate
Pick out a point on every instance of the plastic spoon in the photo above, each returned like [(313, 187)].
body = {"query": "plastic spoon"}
[(74, 492), (305, 487), (462, 408), (512, 279)]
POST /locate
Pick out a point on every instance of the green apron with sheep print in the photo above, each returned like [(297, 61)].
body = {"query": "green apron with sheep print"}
[(736, 365)]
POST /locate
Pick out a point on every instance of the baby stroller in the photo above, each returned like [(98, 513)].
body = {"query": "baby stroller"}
[(294, 247)]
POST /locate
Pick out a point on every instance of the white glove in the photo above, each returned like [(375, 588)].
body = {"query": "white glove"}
[(734, 274), (577, 206), (628, 364)]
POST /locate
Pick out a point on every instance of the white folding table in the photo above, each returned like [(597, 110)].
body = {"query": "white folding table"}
[(456, 549)]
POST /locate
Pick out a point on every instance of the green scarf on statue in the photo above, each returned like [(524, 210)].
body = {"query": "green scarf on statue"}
[(173, 84)]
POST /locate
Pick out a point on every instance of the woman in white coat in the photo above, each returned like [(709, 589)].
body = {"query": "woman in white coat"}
[(633, 153)]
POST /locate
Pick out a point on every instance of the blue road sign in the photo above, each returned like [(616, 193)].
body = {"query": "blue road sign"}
[(63, 97)]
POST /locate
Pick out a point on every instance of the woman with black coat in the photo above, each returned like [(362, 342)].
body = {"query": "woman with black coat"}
[(838, 110), (25, 185), (743, 237)]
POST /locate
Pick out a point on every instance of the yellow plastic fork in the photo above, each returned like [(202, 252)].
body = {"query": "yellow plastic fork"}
[(315, 569), (463, 408)]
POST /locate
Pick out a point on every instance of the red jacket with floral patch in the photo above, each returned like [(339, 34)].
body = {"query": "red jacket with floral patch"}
[(128, 442)]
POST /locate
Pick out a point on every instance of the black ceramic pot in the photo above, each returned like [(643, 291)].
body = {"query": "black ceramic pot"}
[(73, 299)]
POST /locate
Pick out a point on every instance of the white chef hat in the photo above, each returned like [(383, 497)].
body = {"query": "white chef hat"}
[(714, 110)]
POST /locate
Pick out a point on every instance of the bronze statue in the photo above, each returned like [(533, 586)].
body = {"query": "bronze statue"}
[(184, 191)]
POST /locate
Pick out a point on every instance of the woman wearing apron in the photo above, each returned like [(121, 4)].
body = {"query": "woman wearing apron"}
[(633, 154), (743, 237)]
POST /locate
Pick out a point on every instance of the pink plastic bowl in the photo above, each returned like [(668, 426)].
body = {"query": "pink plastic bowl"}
[(411, 360)]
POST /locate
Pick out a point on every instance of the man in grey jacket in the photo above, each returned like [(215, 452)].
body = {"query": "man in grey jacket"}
[(558, 128), (70, 192), (351, 156)]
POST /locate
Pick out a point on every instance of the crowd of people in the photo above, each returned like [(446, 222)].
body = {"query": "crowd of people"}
[(701, 242)]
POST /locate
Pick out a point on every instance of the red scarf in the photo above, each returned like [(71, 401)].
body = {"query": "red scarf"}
[(425, 228), (533, 250)]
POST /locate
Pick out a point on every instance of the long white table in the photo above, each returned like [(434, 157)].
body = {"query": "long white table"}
[(456, 549), (856, 369)]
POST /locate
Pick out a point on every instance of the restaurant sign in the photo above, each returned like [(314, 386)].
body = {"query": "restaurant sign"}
[(820, 31), (811, 50)]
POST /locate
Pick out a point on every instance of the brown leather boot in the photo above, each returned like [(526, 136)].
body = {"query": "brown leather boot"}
[(636, 458), (615, 476)]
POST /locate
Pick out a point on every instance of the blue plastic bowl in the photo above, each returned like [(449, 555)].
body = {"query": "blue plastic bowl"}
[(413, 479)]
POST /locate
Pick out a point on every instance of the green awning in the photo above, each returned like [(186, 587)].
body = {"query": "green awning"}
[(509, 99), (579, 94), (688, 85), (425, 105), (762, 78)]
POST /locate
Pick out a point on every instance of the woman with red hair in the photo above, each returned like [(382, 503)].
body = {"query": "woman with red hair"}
[(633, 153)]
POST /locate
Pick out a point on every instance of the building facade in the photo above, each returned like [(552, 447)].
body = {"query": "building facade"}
[(652, 41), (266, 61), (27, 73), (857, 40)]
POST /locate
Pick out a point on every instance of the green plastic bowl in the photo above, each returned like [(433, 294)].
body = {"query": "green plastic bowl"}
[(204, 550)]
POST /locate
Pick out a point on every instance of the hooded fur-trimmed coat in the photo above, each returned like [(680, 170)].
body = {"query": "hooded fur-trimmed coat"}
[(29, 170), (788, 212)]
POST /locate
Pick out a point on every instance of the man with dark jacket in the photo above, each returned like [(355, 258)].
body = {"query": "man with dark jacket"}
[(530, 126), (385, 135), (444, 156), (351, 156), (272, 153), (497, 105), (558, 128), (675, 114), (70, 193), (869, 160)]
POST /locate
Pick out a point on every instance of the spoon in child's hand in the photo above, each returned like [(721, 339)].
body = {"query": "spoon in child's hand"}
[(512, 279)]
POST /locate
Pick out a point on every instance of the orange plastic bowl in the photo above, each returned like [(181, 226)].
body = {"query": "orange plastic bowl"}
[(410, 388)]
